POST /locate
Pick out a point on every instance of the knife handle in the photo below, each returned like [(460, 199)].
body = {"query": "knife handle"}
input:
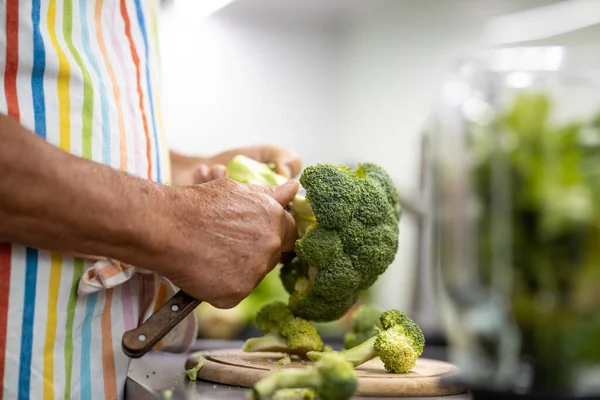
[(142, 339)]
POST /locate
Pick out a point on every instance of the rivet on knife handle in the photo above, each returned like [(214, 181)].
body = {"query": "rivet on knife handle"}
[(141, 340)]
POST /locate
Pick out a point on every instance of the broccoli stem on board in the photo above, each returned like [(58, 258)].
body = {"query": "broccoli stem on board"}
[(357, 355), (288, 379), (267, 343), (362, 353)]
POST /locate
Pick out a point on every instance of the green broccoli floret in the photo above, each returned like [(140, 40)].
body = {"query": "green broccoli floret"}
[(332, 378), (399, 344), (365, 321), (348, 224), (192, 373), (283, 332), (352, 242)]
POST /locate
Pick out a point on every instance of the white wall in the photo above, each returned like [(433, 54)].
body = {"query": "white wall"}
[(231, 81), (394, 56), (339, 81)]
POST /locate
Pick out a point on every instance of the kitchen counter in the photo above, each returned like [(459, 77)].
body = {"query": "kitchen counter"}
[(155, 372)]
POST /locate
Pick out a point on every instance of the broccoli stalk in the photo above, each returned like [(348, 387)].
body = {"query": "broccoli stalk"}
[(399, 344), (365, 321), (246, 170), (267, 343), (293, 378), (332, 378), (356, 355), (294, 394), (284, 333)]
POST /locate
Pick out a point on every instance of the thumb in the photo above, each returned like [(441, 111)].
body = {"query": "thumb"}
[(282, 194)]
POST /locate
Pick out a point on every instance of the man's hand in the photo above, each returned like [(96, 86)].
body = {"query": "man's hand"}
[(193, 170), (220, 239), (216, 241)]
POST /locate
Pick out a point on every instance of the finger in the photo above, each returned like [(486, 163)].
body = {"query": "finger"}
[(218, 171), (288, 166), (275, 259), (282, 194), (201, 174), (287, 163), (75, 254), (289, 233), (283, 169)]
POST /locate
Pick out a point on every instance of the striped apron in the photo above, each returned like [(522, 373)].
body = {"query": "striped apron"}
[(83, 75)]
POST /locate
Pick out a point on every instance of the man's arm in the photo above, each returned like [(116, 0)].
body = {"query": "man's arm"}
[(51, 199), (215, 241)]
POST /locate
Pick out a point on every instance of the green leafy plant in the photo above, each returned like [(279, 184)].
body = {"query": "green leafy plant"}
[(547, 174)]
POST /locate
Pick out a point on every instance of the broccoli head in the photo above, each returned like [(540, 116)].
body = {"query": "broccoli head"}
[(283, 332), (398, 344), (331, 378), (348, 224), (365, 321)]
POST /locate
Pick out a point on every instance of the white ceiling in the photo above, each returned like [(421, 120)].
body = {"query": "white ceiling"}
[(324, 13), (304, 12)]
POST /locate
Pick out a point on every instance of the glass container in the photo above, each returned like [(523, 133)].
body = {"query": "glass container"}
[(514, 161)]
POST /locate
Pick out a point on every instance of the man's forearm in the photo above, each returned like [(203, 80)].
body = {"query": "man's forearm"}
[(53, 200)]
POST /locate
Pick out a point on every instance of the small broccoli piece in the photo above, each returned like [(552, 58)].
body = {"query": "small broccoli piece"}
[(332, 378), (283, 332), (399, 344), (285, 360), (270, 316), (365, 322), (192, 373)]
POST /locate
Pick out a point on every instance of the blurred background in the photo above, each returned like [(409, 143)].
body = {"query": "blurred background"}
[(338, 81)]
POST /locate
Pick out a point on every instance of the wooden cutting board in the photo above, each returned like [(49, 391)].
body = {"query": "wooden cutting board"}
[(236, 368)]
